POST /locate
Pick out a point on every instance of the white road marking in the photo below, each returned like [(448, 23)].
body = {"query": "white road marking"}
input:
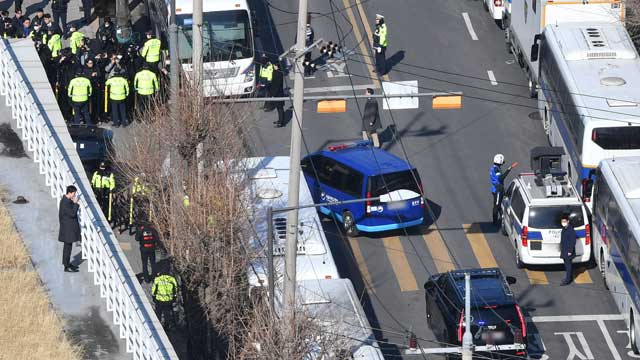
[(565, 318), (492, 78), (607, 338), (573, 350), (469, 26), (337, 88)]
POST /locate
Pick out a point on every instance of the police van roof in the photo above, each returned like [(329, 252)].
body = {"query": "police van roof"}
[(537, 193), (367, 159)]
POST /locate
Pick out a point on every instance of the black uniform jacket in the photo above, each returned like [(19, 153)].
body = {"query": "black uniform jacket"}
[(568, 243), (69, 225)]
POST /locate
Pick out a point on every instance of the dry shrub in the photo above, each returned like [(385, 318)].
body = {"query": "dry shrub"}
[(13, 254), (632, 18)]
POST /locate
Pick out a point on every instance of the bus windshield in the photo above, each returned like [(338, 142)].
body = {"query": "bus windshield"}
[(226, 36)]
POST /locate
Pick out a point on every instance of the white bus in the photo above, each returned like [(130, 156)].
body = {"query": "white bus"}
[(268, 186), (616, 236), (589, 95), (228, 43)]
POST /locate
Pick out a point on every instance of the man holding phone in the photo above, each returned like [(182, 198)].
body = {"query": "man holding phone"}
[(69, 226)]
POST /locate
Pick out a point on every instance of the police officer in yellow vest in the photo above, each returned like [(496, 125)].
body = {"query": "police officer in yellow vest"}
[(117, 88), (264, 79), (151, 51), (103, 184), (164, 291), (146, 85), (79, 90), (380, 45), (74, 39), (54, 43), (138, 203)]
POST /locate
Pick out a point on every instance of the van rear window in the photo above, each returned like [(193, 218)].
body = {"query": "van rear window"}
[(548, 217), (401, 180)]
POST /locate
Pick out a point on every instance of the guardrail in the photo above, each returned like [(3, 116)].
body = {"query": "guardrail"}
[(44, 130)]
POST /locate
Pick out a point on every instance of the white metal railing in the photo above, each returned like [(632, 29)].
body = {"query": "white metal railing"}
[(45, 133)]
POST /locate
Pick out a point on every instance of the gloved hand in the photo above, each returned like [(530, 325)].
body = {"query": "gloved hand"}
[(378, 50)]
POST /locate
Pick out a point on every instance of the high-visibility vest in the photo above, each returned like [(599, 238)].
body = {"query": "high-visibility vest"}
[(185, 201), (151, 50), (55, 44), (99, 181), (74, 41), (138, 187), (164, 288), (118, 88), (381, 34), (145, 82), (35, 34), (79, 89), (266, 72)]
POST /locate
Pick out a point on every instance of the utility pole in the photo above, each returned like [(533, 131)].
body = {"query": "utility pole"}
[(294, 177), (467, 338), (197, 73)]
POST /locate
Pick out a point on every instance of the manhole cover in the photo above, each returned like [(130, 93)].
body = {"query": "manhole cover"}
[(510, 62), (535, 116)]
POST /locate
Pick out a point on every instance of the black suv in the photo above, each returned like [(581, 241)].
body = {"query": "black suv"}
[(497, 323), (94, 145)]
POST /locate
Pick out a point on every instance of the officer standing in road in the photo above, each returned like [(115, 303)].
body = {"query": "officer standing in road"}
[(103, 183), (371, 119), (117, 88), (567, 248), (69, 226), (164, 291), (148, 238), (80, 91), (54, 42), (94, 74), (151, 51), (146, 85), (496, 176), (264, 79), (380, 45), (277, 90), (75, 38), (138, 203), (59, 9)]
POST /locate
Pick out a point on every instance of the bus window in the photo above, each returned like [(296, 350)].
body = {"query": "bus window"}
[(617, 138)]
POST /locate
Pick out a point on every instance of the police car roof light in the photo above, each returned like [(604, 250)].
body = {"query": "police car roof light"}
[(350, 145)]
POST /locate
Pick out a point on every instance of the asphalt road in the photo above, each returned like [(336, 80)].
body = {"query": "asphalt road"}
[(430, 42)]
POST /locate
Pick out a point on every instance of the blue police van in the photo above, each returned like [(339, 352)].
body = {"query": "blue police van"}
[(358, 171)]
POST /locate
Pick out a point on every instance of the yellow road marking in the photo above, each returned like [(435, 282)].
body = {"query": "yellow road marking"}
[(537, 277), (358, 35), (362, 265), (479, 245), (367, 28), (399, 263), (581, 276), (438, 250)]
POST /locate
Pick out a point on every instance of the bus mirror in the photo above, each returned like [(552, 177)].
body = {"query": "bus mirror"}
[(534, 52)]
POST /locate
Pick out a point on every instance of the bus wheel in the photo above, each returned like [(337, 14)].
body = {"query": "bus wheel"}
[(349, 224), (632, 334), (602, 271), (519, 263)]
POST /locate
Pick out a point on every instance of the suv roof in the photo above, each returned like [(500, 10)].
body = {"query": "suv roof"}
[(488, 287), (536, 191), (367, 159)]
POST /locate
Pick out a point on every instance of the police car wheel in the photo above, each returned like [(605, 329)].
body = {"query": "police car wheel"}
[(602, 271), (632, 334), (349, 224), (519, 263), (503, 227)]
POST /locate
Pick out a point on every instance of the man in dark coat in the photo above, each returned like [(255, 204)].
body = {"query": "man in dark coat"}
[(69, 226), (371, 120), (277, 90), (567, 248)]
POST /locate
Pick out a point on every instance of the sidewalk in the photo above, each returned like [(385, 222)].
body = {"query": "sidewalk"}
[(73, 295)]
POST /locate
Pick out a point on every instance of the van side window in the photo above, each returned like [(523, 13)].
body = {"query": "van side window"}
[(517, 204), (347, 180), (325, 171)]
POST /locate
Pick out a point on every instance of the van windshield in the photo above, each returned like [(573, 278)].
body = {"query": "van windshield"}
[(402, 180), (548, 217), (226, 36)]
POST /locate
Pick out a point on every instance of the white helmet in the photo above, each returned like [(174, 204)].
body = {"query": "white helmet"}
[(498, 159)]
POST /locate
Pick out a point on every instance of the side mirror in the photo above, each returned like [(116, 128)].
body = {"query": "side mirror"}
[(511, 280), (535, 48), (429, 286)]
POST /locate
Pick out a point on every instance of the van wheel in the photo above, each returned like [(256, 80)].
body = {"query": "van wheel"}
[(503, 227), (500, 24), (602, 271), (533, 91), (484, 5), (429, 317), (519, 263), (632, 334), (507, 39), (349, 224)]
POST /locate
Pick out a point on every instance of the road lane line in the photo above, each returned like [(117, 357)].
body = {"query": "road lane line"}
[(338, 88), (492, 78), (607, 338), (572, 318), (367, 28), (467, 21), (400, 264), (479, 245), (581, 276), (438, 250), (362, 265), (358, 35), (537, 277)]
